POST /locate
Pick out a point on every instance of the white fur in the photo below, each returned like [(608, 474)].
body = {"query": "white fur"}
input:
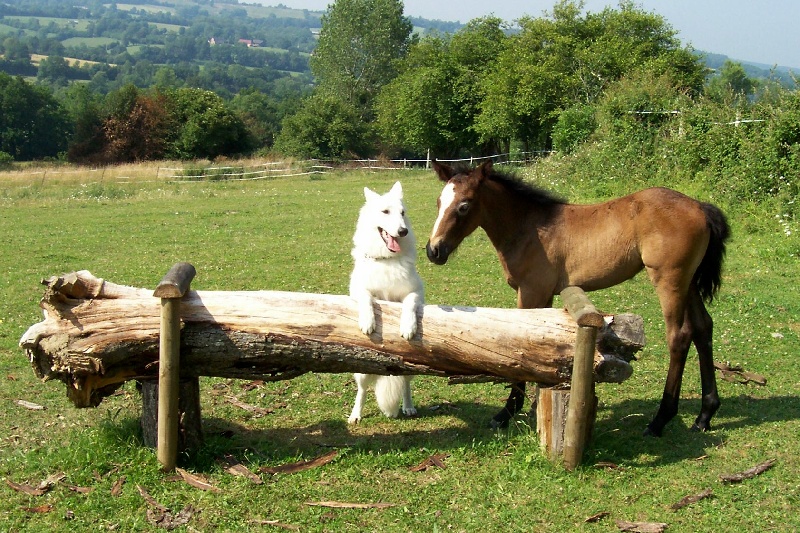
[(383, 274)]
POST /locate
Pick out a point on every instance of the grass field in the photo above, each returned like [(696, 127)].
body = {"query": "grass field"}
[(295, 234)]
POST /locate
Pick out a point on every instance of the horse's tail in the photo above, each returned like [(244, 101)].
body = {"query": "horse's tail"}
[(708, 277)]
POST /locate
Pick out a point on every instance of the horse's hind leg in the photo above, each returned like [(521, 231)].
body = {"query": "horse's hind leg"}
[(514, 403), (702, 329), (679, 338)]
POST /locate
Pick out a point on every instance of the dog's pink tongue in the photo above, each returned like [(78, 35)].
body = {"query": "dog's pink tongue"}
[(392, 244)]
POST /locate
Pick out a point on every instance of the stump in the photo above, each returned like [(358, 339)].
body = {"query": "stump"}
[(552, 404), (190, 430)]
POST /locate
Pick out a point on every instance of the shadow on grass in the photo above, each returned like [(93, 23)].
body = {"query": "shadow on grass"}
[(618, 431), (617, 436)]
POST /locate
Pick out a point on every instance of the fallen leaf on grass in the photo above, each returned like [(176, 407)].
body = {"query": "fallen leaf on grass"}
[(293, 468), (80, 490), (346, 505), (38, 490), (116, 488), (46, 508), (641, 527), (275, 523), (26, 489), (234, 467), (169, 520), (607, 465), (196, 481), (693, 498), (735, 374), (150, 500), (596, 517), (253, 385), (747, 474), (257, 411), (434, 460), (30, 405)]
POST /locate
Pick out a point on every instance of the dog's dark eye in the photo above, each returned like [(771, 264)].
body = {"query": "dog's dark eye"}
[(463, 208), (403, 213), (385, 211)]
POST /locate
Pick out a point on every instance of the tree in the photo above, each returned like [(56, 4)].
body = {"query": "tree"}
[(324, 127), (33, 124), (731, 83), (359, 43), (433, 102), (206, 127), (568, 58)]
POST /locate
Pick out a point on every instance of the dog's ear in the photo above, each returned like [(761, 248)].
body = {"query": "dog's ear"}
[(370, 195), (397, 190)]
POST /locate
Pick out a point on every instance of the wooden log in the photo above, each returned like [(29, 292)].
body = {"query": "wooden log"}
[(96, 335), (581, 399)]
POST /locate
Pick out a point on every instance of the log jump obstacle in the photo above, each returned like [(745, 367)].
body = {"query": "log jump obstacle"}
[(96, 335)]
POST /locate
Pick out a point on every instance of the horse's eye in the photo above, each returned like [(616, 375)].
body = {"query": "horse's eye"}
[(463, 208)]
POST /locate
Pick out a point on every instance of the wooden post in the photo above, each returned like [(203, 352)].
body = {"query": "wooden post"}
[(171, 289), (581, 399)]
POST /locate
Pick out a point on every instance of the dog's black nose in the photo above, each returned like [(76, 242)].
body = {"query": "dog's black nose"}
[(403, 232)]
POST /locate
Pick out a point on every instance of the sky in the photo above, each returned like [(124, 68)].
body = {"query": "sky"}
[(765, 32)]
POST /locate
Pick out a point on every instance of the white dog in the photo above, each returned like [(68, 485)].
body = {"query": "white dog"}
[(385, 268)]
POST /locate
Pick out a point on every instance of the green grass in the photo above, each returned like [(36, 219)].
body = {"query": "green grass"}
[(295, 234)]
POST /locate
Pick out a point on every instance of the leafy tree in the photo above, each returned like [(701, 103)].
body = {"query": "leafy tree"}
[(359, 43), (569, 58), (731, 84), (324, 127), (433, 102), (33, 124), (261, 116), (206, 127)]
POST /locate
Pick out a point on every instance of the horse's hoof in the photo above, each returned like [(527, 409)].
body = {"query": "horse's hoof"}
[(498, 424), (700, 428), (651, 432)]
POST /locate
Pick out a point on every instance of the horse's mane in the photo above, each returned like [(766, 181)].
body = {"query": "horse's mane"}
[(525, 190)]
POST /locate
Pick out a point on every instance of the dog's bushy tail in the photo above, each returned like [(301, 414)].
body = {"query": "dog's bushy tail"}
[(389, 393)]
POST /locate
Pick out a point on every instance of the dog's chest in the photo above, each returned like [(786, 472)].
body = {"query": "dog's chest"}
[(387, 280)]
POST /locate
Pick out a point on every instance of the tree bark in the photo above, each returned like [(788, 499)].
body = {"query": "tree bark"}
[(96, 335)]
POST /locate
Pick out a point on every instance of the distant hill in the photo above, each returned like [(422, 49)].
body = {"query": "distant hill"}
[(785, 75)]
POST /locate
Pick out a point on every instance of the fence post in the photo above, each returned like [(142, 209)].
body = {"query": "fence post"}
[(171, 289), (580, 411)]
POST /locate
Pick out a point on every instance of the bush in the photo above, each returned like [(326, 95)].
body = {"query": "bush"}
[(573, 127)]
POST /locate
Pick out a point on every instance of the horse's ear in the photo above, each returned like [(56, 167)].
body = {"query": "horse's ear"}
[(443, 171), (486, 169)]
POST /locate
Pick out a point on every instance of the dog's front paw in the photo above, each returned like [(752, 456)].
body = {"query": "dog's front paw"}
[(408, 326), (353, 419), (366, 322), (409, 411)]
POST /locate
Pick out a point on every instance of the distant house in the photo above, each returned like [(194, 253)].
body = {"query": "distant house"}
[(251, 43), (214, 40)]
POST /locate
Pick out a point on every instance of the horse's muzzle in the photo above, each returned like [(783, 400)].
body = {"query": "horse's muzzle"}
[(437, 254)]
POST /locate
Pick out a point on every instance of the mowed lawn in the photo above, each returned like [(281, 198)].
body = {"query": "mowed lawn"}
[(294, 233)]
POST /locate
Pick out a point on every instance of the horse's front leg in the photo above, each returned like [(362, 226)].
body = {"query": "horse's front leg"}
[(514, 403), (529, 296)]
